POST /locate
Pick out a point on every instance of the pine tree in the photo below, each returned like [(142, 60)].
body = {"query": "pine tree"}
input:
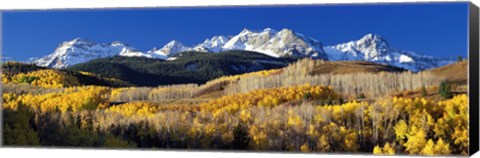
[(424, 91), (459, 58), (240, 138), (361, 96), (445, 90)]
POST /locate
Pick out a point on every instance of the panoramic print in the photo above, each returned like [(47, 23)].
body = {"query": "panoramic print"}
[(383, 79)]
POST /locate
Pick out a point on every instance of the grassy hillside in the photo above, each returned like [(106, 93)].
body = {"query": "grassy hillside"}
[(345, 67), (454, 73)]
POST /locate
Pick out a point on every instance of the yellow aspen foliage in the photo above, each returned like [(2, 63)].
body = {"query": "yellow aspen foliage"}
[(429, 148), (441, 128), (192, 132), (259, 138), (389, 149), (350, 142), (71, 99), (401, 129), (135, 108), (386, 150), (5, 78), (442, 148), (294, 120), (312, 132), (460, 136), (45, 78), (323, 144), (305, 148), (267, 98), (245, 116), (209, 128), (377, 150), (416, 141), (10, 101)]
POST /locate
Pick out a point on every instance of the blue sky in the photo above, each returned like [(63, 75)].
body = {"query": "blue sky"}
[(437, 29)]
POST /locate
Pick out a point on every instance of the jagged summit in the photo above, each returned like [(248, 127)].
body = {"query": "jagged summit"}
[(274, 43), (80, 40), (374, 41), (247, 30), (269, 29), (375, 48), (170, 49), (81, 50), (77, 42), (373, 38), (214, 44), (174, 47)]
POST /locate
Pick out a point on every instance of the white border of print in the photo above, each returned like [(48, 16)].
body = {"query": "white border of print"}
[(82, 153)]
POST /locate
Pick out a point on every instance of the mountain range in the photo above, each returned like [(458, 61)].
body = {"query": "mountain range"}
[(283, 43)]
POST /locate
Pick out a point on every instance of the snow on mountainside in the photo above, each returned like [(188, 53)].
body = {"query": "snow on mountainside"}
[(268, 41), (82, 50), (170, 49), (214, 44), (5, 59), (371, 47), (375, 48)]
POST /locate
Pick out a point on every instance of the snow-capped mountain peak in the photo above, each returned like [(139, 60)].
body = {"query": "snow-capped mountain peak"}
[(374, 42), (118, 43), (375, 48), (170, 49), (369, 47), (174, 47), (81, 50), (79, 41), (286, 31), (214, 44), (269, 30), (276, 43), (172, 44), (245, 31)]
